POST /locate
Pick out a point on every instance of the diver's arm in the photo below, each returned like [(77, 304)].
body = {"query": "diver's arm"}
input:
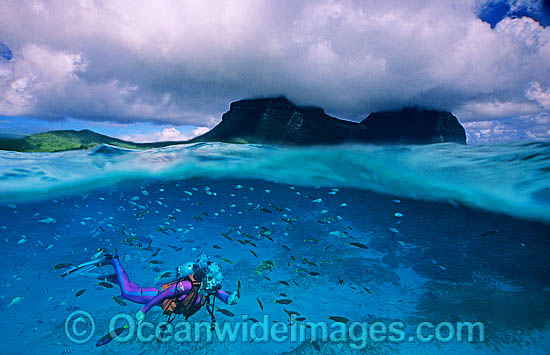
[(227, 298), (174, 290), (222, 296)]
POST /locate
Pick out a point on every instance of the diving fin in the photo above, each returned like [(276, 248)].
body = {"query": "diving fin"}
[(85, 269)]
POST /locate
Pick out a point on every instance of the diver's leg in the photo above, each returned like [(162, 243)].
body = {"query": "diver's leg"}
[(130, 290)]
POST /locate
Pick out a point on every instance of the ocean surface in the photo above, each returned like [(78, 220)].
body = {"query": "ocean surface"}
[(392, 249)]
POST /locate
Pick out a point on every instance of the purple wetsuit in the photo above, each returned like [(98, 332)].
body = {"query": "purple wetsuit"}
[(150, 296)]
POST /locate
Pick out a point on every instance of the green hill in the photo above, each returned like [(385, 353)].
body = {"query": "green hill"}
[(56, 141)]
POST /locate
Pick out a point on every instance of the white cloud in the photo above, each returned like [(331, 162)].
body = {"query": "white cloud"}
[(500, 131), (183, 62), (539, 95), (167, 134), (495, 109)]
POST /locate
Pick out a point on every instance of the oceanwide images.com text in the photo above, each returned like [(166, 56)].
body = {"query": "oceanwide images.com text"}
[(80, 328)]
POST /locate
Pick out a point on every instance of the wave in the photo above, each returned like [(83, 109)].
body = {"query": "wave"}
[(508, 178)]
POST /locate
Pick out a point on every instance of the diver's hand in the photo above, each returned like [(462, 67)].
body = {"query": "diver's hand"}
[(233, 299), (140, 316)]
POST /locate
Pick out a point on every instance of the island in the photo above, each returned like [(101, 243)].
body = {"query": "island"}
[(277, 121)]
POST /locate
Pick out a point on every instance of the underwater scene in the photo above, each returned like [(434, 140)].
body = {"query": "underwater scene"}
[(318, 250)]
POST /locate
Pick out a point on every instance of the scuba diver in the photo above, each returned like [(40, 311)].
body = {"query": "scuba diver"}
[(197, 284)]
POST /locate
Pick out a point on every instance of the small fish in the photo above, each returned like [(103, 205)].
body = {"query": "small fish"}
[(155, 262), (106, 339), (48, 220), (149, 245), (119, 301), (79, 293), (367, 290), (283, 301), (359, 245), (256, 255), (105, 284), (165, 275), (260, 304), (141, 214), (311, 241), (100, 227), (488, 233), (283, 294), (309, 261), (155, 253), (198, 218), (340, 281), (315, 346), (285, 247), (291, 313), (227, 260), (265, 210), (284, 283), (339, 319), (62, 266), (226, 236), (98, 254), (15, 300), (267, 278), (225, 312), (268, 263), (314, 273), (216, 246)]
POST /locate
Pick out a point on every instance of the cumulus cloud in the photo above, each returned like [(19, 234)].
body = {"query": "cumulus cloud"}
[(175, 62), (539, 95), (536, 128), (167, 134)]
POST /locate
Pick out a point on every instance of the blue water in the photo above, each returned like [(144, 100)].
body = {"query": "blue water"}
[(450, 233)]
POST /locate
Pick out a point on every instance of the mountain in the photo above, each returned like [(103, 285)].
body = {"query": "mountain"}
[(413, 125), (56, 141), (278, 121)]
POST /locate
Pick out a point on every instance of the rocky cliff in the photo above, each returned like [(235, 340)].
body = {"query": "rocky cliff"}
[(278, 121)]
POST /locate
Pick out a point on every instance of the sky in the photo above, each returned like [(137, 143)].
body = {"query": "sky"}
[(167, 70)]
